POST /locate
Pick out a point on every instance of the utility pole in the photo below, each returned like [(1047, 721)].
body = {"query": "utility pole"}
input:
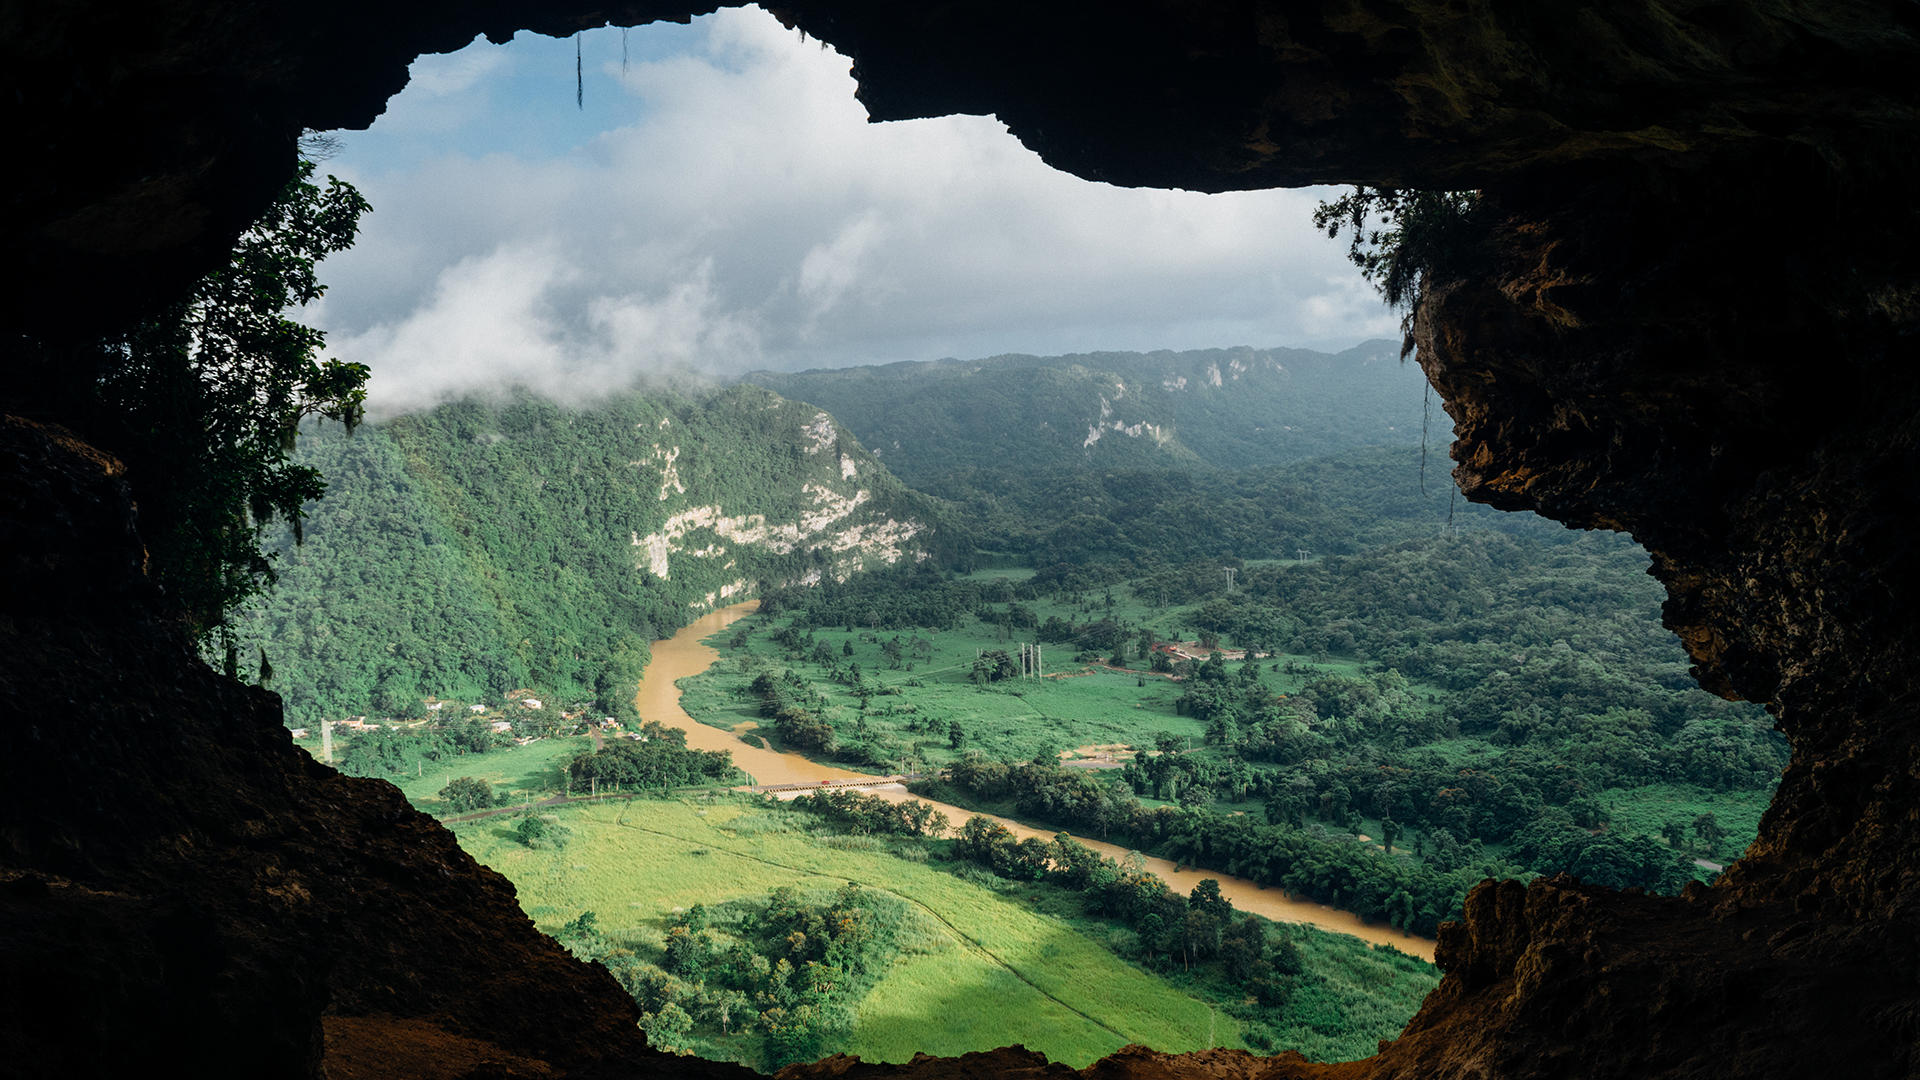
[(326, 741), (1303, 553), (1229, 579)]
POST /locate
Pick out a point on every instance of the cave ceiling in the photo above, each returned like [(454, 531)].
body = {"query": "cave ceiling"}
[(152, 133)]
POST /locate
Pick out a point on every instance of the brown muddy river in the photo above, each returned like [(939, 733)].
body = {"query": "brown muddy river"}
[(684, 654)]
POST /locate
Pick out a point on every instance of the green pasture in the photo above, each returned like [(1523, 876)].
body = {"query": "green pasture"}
[(1643, 810), (533, 770), (1080, 704), (990, 973), (1353, 995)]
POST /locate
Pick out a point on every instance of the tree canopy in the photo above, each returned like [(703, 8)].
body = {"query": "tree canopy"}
[(204, 401)]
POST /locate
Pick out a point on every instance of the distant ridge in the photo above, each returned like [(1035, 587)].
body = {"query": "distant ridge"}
[(1223, 408)]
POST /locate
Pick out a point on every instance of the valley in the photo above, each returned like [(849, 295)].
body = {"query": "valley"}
[(1150, 695)]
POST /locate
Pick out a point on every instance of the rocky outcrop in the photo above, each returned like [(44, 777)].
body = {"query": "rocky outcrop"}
[(1691, 314)]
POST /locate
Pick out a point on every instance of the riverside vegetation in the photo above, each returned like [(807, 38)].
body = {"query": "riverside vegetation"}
[(765, 933), (1325, 675)]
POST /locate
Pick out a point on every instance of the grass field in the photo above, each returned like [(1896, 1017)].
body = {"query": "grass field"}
[(1644, 810), (534, 769), (1086, 704), (991, 972)]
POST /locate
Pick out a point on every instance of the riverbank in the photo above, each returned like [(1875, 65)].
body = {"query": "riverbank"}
[(686, 653)]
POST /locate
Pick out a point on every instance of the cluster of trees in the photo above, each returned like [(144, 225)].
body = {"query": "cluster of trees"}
[(1137, 522), (1194, 929), (1602, 857), (658, 759), (863, 815), (901, 598), (390, 751), (802, 646), (1412, 895), (794, 707), (467, 794), (789, 968), (1551, 652), (542, 832)]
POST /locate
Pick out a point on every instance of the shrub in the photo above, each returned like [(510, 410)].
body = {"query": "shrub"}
[(542, 832)]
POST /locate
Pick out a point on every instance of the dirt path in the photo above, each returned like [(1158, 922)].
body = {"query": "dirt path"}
[(684, 654)]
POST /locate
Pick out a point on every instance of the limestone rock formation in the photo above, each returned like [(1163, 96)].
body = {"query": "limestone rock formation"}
[(1692, 312)]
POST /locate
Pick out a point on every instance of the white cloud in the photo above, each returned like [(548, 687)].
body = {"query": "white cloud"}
[(745, 213), (449, 73)]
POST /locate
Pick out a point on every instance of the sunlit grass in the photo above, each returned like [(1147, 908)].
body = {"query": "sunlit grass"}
[(994, 974)]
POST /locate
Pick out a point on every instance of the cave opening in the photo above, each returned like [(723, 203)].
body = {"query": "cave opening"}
[(1691, 320), (453, 111)]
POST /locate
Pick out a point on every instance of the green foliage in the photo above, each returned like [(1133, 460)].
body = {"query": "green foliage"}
[(1603, 858), (790, 967), (1420, 234), (480, 548), (1411, 896), (864, 814), (1092, 529), (542, 832), (1257, 969), (659, 758), (386, 751), (468, 794), (791, 704), (204, 399)]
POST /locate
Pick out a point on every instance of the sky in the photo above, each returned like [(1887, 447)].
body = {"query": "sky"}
[(717, 201)]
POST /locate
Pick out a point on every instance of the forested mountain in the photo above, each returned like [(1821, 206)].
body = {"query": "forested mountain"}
[(483, 547), (1225, 408), (1339, 504)]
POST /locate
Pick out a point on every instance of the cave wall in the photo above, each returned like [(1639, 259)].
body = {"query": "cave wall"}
[(1690, 314)]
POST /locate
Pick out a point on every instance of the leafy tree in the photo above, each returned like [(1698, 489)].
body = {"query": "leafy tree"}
[(1709, 830), (1401, 239), (1674, 833), (542, 832), (205, 399), (993, 665), (467, 794)]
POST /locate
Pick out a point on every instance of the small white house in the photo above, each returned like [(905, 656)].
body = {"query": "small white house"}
[(434, 706), (476, 708), (530, 703), (299, 733), (501, 725)]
